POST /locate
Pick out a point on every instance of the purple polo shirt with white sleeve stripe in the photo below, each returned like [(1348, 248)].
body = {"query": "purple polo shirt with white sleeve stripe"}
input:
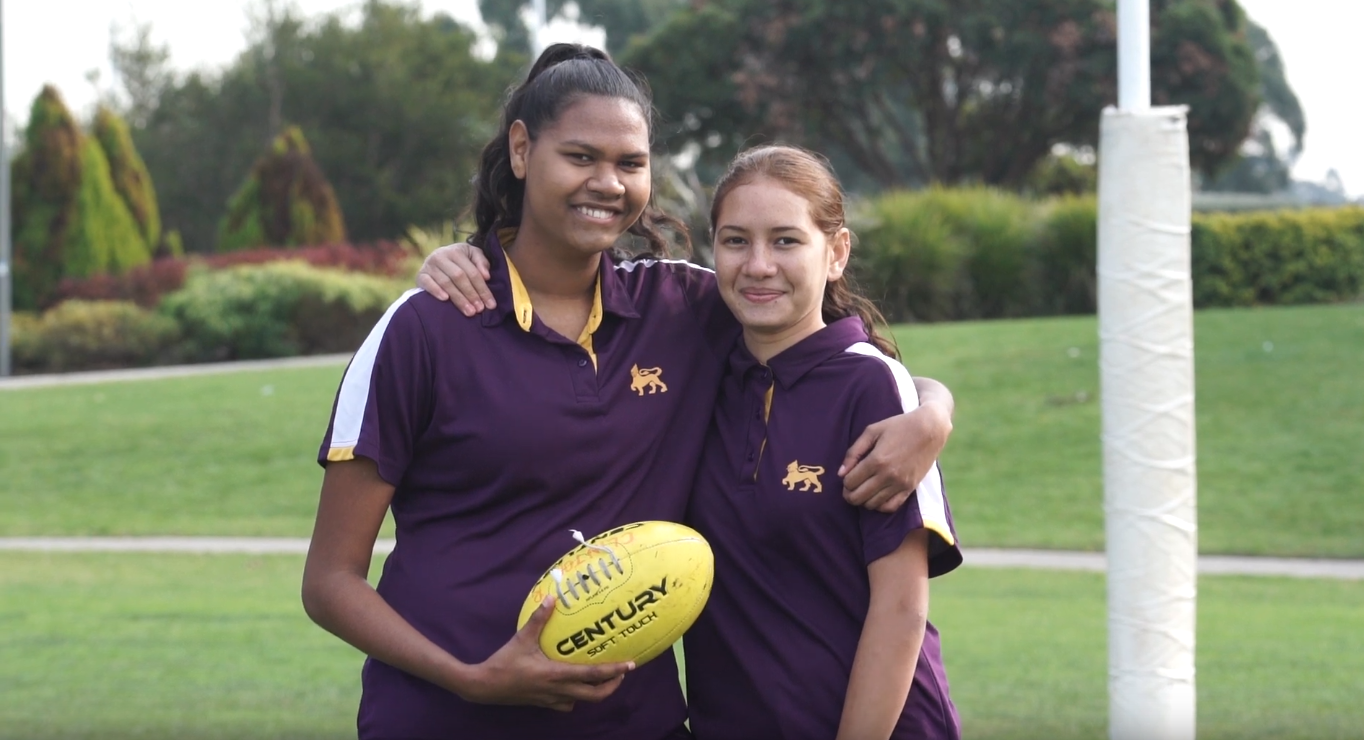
[(771, 655), (500, 436)]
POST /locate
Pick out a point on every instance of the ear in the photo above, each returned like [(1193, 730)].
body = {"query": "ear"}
[(518, 148), (840, 247)]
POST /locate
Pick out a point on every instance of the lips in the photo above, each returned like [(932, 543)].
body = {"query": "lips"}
[(760, 295)]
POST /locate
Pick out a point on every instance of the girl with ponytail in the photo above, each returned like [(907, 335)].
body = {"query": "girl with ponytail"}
[(808, 580), (490, 438)]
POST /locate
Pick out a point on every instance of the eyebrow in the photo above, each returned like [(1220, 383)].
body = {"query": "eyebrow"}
[(597, 151), (732, 227)]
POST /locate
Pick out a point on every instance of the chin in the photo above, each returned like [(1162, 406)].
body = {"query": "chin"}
[(762, 322), (594, 243)]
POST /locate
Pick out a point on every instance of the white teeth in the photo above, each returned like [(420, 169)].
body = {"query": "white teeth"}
[(595, 213)]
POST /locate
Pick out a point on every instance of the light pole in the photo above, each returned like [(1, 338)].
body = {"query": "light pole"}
[(6, 295)]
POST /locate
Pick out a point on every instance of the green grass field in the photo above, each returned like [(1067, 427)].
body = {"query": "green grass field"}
[(1280, 429), (199, 647), (225, 454), (1281, 434)]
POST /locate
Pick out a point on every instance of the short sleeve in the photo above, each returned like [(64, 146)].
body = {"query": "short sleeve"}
[(888, 390), (384, 401), (702, 291)]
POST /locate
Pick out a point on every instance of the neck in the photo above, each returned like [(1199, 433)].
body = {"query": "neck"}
[(764, 345), (553, 273)]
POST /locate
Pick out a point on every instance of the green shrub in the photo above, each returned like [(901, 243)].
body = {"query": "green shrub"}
[(277, 309), (92, 335), (1063, 278), (947, 254), (1278, 258), (1061, 174), (909, 260), (974, 253)]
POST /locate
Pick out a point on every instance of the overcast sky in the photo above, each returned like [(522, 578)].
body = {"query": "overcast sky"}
[(59, 41)]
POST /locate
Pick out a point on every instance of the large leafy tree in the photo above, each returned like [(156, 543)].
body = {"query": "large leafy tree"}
[(1263, 166), (622, 20), (916, 91), (396, 108)]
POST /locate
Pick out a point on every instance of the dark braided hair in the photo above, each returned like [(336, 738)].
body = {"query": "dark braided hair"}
[(810, 176), (562, 75)]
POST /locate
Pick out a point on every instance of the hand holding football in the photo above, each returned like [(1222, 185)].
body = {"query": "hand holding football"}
[(625, 595)]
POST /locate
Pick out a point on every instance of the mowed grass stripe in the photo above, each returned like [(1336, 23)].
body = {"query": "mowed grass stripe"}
[(1280, 413), (217, 646), (1281, 433), (230, 454)]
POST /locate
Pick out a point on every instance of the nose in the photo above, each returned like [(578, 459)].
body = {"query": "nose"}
[(606, 183), (759, 262)]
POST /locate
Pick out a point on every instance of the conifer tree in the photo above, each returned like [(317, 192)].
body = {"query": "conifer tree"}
[(45, 176), (69, 219), (129, 173), (286, 201)]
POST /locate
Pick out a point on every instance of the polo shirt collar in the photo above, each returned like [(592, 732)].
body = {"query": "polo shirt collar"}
[(795, 361), (514, 301)]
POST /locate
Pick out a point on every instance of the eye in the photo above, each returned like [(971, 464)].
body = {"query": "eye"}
[(787, 241), (633, 164), (733, 241), (579, 157)]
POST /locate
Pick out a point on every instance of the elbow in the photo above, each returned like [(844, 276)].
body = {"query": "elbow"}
[(913, 614), (314, 598)]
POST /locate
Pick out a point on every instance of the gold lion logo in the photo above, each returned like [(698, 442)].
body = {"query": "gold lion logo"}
[(803, 475), (649, 377)]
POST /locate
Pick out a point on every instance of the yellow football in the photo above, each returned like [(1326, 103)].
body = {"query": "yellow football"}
[(626, 594)]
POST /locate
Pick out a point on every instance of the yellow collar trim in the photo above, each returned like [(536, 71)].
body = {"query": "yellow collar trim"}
[(520, 297), (525, 313)]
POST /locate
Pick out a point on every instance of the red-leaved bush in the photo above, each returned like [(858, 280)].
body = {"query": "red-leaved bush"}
[(147, 284), (378, 258)]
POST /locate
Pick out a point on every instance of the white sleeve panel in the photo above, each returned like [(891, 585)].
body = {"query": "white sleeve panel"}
[(932, 501), (354, 394)]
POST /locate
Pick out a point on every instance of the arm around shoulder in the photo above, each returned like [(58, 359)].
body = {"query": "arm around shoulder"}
[(890, 458)]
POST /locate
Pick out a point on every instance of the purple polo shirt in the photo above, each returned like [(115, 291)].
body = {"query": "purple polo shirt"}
[(772, 653), (500, 439)]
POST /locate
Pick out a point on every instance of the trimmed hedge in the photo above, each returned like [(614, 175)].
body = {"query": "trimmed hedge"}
[(942, 254), (92, 335), (277, 310), (146, 285), (1278, 258)]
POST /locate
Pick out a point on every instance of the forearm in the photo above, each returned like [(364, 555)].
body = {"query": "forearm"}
[(888, 650), (882, 675), (344, 604), (933, 393)]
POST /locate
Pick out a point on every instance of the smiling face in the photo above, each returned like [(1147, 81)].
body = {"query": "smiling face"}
[(586, 175), (772, 263)]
